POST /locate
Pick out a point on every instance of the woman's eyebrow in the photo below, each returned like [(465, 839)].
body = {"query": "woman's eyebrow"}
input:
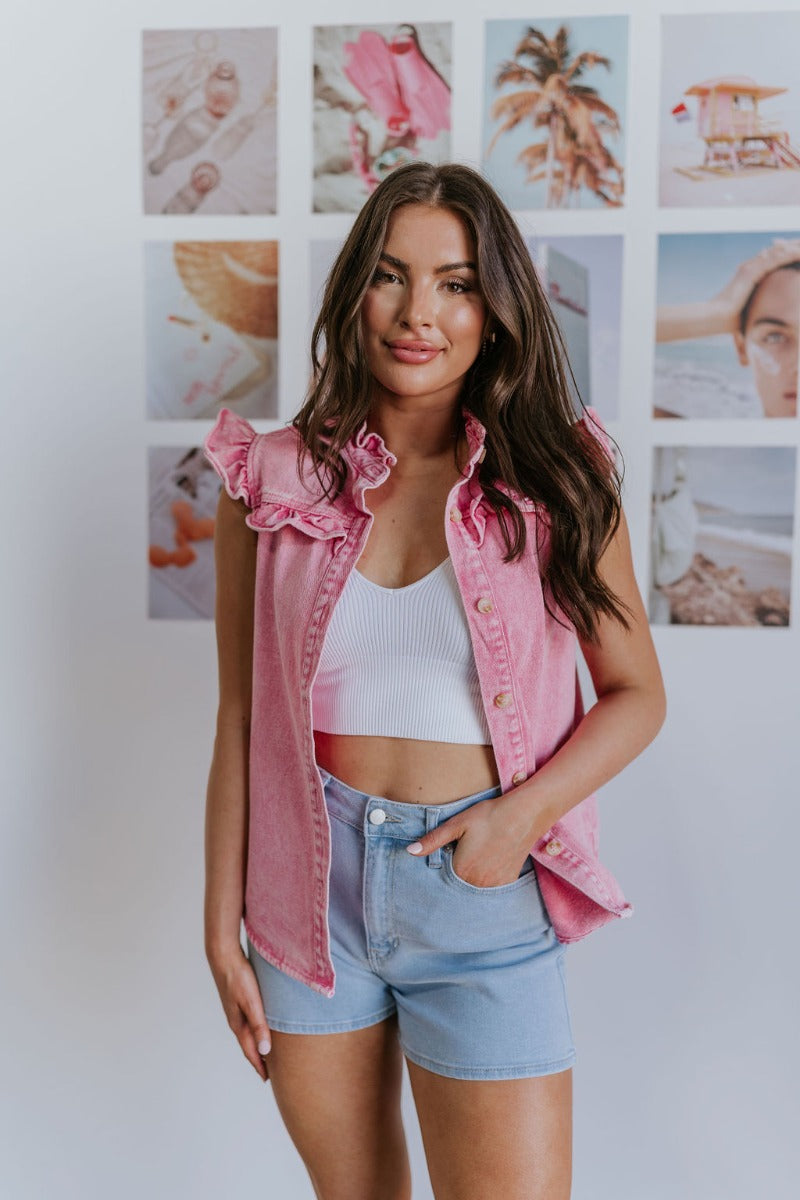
[(772, 321), (456, 266), (404, 266)]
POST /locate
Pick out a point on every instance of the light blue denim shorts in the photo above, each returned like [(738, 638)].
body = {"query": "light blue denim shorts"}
[(475, 974)]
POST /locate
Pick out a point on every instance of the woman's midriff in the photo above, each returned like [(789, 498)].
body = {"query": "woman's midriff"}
[(406, 769)]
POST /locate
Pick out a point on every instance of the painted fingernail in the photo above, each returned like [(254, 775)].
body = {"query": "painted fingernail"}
[(264, 1046), (414, 848)]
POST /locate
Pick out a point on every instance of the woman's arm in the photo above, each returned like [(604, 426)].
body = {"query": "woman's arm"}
[(630, 708), (696, 319), (495, 836), (227, 795)]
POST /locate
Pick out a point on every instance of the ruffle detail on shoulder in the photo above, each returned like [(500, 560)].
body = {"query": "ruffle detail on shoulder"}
[(227, 448), (273, 513)]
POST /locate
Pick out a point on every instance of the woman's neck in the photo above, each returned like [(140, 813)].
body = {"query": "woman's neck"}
[(416, 434)]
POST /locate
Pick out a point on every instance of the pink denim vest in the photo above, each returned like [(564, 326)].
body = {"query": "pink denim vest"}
[(526, 663)]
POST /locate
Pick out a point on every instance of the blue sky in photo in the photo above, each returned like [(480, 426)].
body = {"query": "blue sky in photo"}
[(744, 479), (694, 266)]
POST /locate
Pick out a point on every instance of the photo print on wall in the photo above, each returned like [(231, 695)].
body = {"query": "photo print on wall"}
[(183, 490), (211, 328), (727, 325), (730, 109), (555, 111), (582, 278), (721, 535), (381, 99), (209, 116)]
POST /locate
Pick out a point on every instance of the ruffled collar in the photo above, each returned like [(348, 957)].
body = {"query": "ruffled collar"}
[(368, 456)]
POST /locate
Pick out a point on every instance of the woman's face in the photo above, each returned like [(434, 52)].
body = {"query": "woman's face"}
[(423, 318), (771, 342)]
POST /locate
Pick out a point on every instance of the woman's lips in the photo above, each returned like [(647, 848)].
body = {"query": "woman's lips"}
[(413, 352)]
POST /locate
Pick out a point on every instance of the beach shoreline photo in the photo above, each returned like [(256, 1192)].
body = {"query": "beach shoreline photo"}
[(684, 183)]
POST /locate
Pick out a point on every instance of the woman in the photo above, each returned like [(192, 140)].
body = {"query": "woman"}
[(401, 575), (760, 308)]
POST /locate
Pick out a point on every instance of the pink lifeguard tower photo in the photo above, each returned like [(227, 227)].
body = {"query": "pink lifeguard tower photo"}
[(736, 136), (729, 121)]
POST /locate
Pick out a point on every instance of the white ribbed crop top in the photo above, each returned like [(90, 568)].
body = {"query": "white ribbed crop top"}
[(398, 662)]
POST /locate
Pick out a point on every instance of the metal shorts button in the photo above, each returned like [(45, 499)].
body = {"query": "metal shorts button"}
[(518, 777), (484, 605), (554, 847), (377, 816), (503, 699), (455, 514)]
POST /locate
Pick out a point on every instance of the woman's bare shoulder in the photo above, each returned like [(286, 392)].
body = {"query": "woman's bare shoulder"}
[(234, 540)]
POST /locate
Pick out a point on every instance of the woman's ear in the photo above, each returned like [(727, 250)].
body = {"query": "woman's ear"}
[(741, 349)]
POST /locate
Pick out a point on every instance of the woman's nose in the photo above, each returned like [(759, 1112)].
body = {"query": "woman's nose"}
[(418, 308)]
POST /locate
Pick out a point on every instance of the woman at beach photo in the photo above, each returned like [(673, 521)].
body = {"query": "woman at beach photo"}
[(759, 307), (401, 797)]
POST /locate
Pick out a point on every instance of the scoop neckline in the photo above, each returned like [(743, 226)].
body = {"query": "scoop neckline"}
[(407, 587)]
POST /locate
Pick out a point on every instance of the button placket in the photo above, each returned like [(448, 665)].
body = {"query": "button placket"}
[(492, 657)]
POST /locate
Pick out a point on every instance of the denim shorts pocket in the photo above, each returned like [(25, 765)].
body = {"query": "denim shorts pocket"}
[(526, 876)]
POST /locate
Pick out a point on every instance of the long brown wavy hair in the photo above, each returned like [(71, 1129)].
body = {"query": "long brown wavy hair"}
[(518, 389)]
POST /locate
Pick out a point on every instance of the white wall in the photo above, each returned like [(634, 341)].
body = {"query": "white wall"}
[(119, 1075)]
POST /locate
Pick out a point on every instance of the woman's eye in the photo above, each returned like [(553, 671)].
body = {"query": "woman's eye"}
[(382, 276), (457, 286), (775, 338)]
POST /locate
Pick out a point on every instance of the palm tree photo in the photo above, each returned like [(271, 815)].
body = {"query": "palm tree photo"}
[(572, 154)]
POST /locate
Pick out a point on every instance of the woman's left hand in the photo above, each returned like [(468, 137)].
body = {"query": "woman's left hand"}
[(493, 836)]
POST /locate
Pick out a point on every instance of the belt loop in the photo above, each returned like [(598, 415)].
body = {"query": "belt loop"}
[(434, 859)]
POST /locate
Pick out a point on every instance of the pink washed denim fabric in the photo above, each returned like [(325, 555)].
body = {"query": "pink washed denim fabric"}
[(526, 663)]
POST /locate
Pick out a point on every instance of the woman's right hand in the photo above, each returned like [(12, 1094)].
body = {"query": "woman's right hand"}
[(239, 992), (731, 299)]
